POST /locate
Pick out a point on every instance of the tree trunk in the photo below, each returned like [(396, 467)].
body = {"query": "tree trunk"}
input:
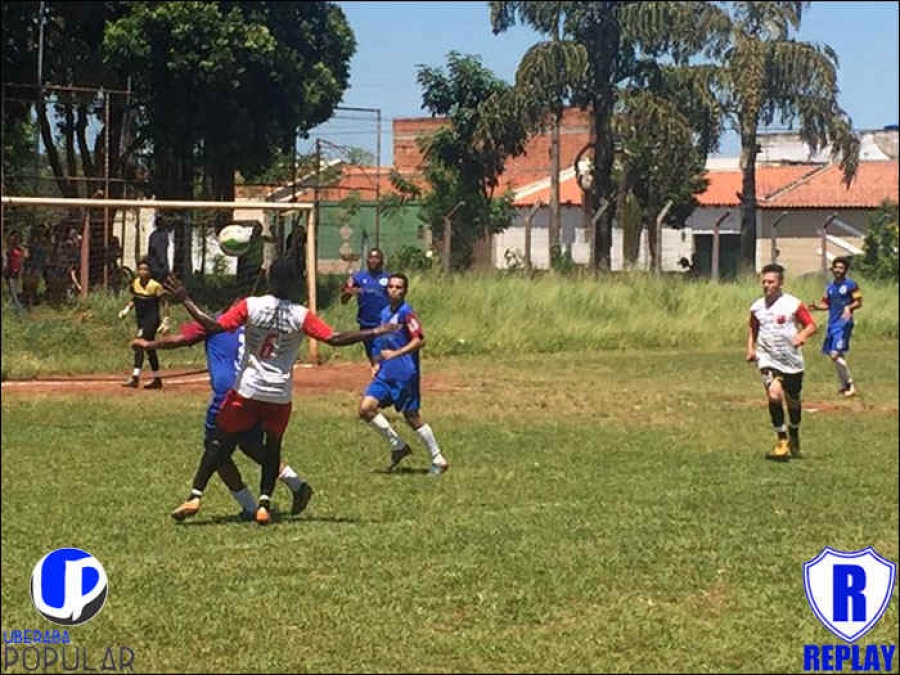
[(748, 198), (65, 186), (554, 186), (602, 183)]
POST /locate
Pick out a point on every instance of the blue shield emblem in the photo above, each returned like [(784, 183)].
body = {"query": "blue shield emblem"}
[(849, 591)]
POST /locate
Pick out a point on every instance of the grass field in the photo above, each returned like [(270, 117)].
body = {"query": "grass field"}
[(606, 511)]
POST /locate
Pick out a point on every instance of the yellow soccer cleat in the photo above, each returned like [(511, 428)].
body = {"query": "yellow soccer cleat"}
[(186, 510), (781, 452), (263, 517)]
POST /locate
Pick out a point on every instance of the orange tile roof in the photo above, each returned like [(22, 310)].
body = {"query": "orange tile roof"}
[(874, 183), (724, 186), (811, 186)]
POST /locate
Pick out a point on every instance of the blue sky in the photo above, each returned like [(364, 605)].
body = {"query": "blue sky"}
[(394, 37)]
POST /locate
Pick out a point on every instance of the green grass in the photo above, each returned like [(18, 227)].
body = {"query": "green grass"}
[(465, 314), (605, 512)]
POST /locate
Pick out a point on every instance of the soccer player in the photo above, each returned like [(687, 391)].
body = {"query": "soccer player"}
[(369, 287), (274, 329), (224, 353), (396, 380), (779, 326), (146, 297), (842, 298)]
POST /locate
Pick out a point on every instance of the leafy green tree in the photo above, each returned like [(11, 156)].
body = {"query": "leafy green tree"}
[(881, 259), (765, 74), (464, 159), (621, 41)]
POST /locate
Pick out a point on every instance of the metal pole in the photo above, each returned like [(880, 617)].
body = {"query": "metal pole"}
[(528, 219), (774, 237), (824, 239), (40, 84), (715, 247), (105, 187), (313, 351), (378, 180)]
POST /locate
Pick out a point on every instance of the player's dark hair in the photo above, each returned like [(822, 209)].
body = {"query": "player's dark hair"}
[(398, 275), (774, 267), (842, 259), (144, 261), (284, 282)]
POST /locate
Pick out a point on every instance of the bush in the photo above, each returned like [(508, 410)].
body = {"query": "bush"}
[(411, 259)]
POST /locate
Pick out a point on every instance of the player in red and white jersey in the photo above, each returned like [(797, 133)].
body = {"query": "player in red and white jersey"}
[(779, 326), (274, 326)]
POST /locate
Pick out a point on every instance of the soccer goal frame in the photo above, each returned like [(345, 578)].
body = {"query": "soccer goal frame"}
[(166, 204)]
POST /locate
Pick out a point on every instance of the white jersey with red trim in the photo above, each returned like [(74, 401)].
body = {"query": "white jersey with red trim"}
[(776, 325), (273, 333)]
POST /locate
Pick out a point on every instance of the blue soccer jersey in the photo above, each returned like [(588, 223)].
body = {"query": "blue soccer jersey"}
[(406, 367), (838, 296), (372, 298), (224, 352)]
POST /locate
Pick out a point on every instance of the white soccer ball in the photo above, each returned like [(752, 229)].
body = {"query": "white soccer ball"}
[(235, 240)]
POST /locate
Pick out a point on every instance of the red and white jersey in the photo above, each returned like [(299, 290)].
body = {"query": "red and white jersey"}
[(776, 325), (273, 332)]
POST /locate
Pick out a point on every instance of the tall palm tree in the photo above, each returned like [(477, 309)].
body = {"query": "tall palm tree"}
[(619, 41), (766, 74)]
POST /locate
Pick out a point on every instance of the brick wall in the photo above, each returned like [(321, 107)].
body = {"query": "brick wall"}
[(527, 168)]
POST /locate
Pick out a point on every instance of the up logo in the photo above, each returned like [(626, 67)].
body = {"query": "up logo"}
[(849, 591), (68, 586)]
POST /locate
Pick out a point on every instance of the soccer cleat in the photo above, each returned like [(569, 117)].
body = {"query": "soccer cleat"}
[(186, 510), (155, 383), (397, 456), (439, 467), (301, 498), (263, 517), (781, 452), (850, 391), (131, 382)]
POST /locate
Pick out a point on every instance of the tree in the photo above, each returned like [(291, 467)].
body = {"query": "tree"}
[(881, 259), (464, 160), (621, 40), (546, 79), (766, 74)]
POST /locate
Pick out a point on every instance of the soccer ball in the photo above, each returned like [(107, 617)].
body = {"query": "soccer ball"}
[(234, 240)]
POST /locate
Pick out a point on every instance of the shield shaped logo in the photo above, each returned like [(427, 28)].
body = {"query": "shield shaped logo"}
[(849, 591)]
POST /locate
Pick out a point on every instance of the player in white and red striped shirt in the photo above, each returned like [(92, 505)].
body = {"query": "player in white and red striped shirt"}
[(274, 327), (779, 326)]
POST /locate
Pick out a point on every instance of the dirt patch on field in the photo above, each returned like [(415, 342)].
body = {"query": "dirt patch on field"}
[(308, 380)]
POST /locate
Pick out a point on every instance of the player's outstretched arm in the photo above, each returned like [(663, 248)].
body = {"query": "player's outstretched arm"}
[(317, 329), (163, 342), (179, 293)]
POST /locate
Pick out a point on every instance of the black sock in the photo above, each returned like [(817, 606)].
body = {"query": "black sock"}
[(776, 412)]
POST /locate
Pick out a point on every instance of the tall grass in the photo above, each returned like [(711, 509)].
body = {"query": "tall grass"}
[(475, 313)]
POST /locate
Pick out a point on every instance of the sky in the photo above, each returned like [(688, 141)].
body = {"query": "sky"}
[(394, 37)]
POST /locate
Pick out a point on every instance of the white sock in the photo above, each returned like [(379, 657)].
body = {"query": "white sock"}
[(245, 498), (290, 478), (427, 436), (384, 427), (155, 375), (136, 372)]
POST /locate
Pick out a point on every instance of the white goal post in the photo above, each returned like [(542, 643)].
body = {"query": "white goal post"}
[(165, 204)]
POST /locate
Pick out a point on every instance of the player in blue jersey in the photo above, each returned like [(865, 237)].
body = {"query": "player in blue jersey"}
[(370, 288), (842, 298), (224, 352), (396, 378)]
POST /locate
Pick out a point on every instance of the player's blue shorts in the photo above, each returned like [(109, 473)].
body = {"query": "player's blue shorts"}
[(403, 395), (838, 337), (252, 438)]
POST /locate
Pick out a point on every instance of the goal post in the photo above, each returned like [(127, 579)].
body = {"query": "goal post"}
[(244, 206)]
